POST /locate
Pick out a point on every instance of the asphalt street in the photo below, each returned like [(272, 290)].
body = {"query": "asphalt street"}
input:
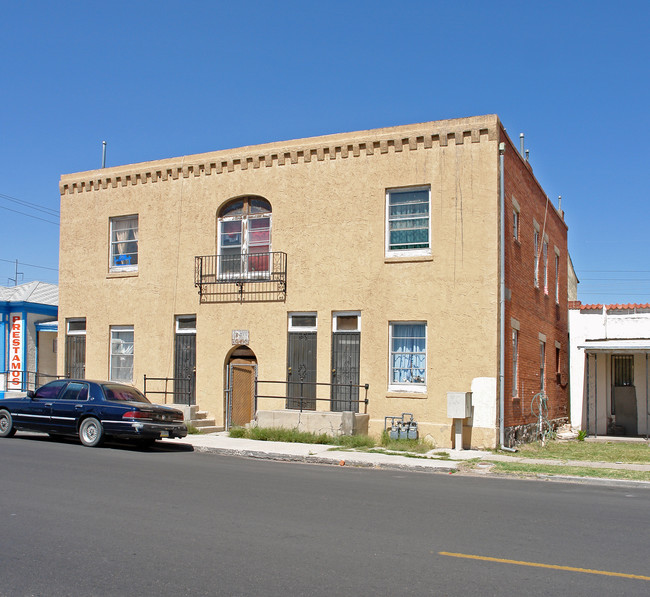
[(121, 520)]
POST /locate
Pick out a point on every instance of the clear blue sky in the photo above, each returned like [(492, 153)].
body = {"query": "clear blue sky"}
[(163, 79)]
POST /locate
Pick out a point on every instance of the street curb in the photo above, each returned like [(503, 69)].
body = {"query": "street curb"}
[(332, 461), (596, 481), (450, 468)]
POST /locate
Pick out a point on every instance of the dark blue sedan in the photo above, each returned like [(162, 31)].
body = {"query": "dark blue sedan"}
[(91, 410)]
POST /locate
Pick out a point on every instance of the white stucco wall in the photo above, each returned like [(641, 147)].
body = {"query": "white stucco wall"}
[(603, 329)]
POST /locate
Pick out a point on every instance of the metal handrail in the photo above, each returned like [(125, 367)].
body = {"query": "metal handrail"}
[(302, 399), (166, 391), (25, 381)]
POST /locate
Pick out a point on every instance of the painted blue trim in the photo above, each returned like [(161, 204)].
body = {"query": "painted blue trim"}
[(3, 347), (47, 326)]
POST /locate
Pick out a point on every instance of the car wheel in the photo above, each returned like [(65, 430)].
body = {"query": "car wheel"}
[(6, 424), (91, 432)]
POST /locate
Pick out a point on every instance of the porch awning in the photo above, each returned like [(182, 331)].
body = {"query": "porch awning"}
[(47, 326), (617, 345)]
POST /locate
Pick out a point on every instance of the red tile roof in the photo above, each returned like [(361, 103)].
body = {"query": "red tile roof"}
[(610, 307)]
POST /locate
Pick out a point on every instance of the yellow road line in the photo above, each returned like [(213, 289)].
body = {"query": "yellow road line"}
[(538, 565)]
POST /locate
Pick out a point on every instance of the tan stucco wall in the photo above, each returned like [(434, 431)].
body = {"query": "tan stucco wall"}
[(47, 349), (329, 217)]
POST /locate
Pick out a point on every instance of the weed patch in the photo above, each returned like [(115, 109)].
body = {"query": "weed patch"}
[(404, 445), (302, 437), (192, 430), (627, 452), (523, 469)]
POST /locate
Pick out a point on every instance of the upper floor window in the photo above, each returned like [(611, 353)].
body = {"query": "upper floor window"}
[(545, 258), (515, 219), (408, 221), (536, 249), (244, 237), (124, 243), (557, 275)]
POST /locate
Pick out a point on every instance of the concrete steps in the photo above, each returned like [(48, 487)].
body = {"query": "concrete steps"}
[(199, 419)]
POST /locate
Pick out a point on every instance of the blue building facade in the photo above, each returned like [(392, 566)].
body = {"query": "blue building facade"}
[(28, 328)]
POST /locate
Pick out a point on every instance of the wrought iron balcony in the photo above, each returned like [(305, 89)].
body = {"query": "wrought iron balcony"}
[(246, 278)]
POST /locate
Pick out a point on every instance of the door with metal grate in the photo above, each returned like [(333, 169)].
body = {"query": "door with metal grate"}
[(75, 356), (345, 371), (624, 400), (185, 369), (242, 394), (301, 369)]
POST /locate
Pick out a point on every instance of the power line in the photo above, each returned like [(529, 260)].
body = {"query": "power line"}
[(54, 269), (47, 210), (22, 213)]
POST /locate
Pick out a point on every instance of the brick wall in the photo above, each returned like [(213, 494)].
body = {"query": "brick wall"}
[(537, 313)]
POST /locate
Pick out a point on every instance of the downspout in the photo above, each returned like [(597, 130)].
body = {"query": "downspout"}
[(502, 295), (587, 381), (596, 394)]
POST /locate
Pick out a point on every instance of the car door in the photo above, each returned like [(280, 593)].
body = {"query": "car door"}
[(68, 407), (34, 412)]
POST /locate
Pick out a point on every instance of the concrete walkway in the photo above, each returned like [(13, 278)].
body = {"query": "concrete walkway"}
[(439, 460), (221, 443)]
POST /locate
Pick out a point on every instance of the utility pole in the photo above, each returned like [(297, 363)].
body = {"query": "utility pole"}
[(15, 280)]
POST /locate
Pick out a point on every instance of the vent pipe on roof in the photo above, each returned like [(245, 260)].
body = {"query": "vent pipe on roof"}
[(527, 154), (103, 154), (521, 144)]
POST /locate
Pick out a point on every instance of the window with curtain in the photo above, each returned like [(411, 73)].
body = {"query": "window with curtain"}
[(122, 353), (244, 243), (124, 243), (408, 221), (408, 356)]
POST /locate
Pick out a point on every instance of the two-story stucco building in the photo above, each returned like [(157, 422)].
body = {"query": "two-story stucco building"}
[(418, 259)]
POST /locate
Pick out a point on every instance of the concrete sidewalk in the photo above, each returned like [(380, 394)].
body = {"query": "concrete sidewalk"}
[(438, 460), (221, 443)]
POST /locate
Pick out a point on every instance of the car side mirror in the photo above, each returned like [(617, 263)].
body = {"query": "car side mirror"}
[(30, 394)]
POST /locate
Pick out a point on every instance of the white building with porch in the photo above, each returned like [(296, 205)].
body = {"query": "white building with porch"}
[(609, 348)]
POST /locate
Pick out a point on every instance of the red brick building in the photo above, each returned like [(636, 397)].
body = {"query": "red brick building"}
[(536, 304)]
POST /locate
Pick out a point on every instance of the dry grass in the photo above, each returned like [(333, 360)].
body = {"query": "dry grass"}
[(626, 452), (526, 469)]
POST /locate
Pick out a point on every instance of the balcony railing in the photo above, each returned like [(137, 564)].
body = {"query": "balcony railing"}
[(246, 278)]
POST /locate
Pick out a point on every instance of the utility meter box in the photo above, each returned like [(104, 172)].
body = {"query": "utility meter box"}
[(459, 405)]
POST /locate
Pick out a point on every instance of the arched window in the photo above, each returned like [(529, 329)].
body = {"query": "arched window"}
[(244, 237)]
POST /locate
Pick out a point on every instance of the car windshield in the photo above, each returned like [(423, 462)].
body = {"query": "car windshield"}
[(119, 393)]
